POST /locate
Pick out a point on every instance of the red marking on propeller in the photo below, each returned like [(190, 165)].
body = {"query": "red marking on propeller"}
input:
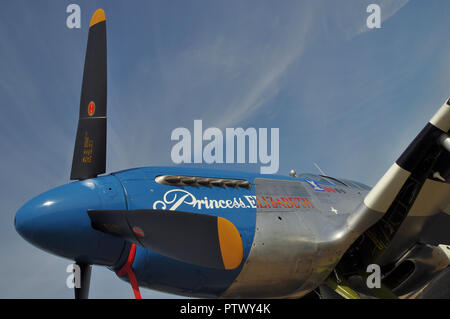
[(91, 108)]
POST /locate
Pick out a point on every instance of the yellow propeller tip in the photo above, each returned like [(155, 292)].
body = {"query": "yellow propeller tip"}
[(97, 17)]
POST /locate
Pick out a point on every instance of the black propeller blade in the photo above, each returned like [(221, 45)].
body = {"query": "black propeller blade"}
[(89, 157), (198, 239), (85, 281)]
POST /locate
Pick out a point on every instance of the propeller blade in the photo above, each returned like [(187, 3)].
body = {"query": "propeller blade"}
[(85, 281), (198, 239), (89, 157)]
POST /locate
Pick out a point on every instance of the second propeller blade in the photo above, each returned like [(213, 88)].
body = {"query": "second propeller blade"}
[(198, 239)]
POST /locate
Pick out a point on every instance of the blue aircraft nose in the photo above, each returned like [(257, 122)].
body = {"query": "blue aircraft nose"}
[(57, 221)]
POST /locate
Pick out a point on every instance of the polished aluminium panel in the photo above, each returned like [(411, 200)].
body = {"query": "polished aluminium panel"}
[(295, 249)]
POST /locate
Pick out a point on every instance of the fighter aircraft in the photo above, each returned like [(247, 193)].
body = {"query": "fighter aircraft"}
[(228, 234)]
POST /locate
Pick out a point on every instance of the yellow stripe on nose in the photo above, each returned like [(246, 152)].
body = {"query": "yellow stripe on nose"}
[(230, 242), (98, 16)]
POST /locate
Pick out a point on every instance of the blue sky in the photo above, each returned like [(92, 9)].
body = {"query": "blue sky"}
[(343, 96)]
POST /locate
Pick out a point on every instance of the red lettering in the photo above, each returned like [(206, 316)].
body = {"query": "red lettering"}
[(287, 202), (272, 202), (301, 201), (293, 200), (259, 205), (266, 202), (279, 203)]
